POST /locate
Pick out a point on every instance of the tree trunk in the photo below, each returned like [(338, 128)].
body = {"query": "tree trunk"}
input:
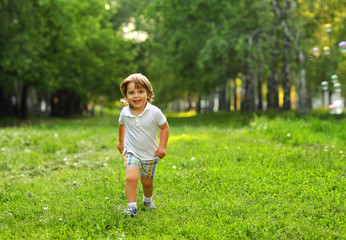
[(286, 76), (249, 104), (7, 109), (259, 87), (24, 109), (18, 85), (222, 97), (303, 107), (198, 107), (273, 85), (235, 102)]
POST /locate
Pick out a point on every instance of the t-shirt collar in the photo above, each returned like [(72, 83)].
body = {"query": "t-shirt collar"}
[(129, 114)]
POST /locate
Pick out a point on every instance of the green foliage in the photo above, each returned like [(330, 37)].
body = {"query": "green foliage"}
[(225, 176), (63, 44)]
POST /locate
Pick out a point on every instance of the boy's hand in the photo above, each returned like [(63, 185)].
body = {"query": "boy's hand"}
[(121, 147), (161, 153)]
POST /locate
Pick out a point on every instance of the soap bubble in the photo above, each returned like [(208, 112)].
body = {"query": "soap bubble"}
[(334, 78), (316, 51), (337, 87), (342, 46), (324, 85), (337, 107), (328, 27), (326, 50)]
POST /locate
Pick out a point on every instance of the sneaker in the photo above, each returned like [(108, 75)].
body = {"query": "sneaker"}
[(130, 211), (149, 205)]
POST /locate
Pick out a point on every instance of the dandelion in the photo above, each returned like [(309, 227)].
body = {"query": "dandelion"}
[(60, 219), (105, 164), (265, 127), (75, 164), (56, 135), (45, 208), (106, 198), (341, 152), (107, 158), (174, 167), (288, 135), (193, 159), (238, 147), (65, 159)]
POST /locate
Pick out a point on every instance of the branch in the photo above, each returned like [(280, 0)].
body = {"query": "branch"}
[(282, 21)]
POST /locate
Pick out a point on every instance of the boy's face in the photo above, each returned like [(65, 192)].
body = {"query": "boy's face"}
[(136, 96)]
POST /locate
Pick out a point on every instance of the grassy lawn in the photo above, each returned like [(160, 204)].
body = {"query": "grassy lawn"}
[(226, 176)]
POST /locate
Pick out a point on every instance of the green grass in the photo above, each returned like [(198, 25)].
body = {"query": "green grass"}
[(226, 176)]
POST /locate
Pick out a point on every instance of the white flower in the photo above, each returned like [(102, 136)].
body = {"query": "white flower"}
[(174, 167), (106, 198), (341, 152), (238, 147), (45, 208), (288, 134), (193, 158), (56, 135)]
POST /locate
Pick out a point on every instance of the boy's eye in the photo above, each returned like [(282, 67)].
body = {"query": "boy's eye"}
[(131, 93), (141, 91)]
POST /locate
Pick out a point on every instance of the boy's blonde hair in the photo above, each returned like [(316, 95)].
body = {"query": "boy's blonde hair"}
[(138, 79)]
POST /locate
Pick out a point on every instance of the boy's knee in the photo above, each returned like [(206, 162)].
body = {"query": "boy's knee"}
[(147, 182), (131, 179)]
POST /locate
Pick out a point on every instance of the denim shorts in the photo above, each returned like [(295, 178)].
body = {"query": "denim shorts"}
[(148, 167)]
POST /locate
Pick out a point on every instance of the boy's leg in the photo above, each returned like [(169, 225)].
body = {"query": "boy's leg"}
[(148, 186), (132, 177)]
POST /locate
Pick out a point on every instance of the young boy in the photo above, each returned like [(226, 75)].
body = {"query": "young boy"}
[(138, 131)]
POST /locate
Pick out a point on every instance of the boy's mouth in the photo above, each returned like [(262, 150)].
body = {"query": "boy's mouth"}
[(136, 101)]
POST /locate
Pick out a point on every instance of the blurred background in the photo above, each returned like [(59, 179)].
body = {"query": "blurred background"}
[(60, 58)]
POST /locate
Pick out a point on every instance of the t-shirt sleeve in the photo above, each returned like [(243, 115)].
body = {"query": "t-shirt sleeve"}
[(160, 118), (121, 118)]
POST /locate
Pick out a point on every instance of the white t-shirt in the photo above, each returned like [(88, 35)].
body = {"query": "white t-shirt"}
[(142, 131)]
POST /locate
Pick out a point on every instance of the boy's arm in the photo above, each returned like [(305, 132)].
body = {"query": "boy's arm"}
[(164, 133), (121, 144)]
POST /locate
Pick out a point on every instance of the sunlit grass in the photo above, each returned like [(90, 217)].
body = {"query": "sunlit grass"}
[(191, 113), (225, 176)]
